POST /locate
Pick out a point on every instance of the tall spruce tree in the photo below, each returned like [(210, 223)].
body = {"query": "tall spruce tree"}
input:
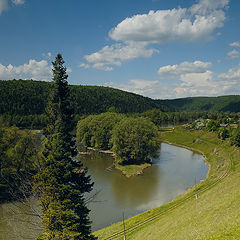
[(62, 181)]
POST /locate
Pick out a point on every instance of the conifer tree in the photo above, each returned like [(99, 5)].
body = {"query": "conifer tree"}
[(62, 181)]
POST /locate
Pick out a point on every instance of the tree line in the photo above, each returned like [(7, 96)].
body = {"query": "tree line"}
[(160, 118), (229, 103)]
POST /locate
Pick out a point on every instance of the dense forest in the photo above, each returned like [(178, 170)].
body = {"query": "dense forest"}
[(28, 97), (229, 103)]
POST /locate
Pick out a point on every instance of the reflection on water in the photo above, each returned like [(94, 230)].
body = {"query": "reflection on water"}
[(172, 172), (135, 191)]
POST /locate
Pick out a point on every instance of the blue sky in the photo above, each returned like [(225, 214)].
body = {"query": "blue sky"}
[(156, 48)]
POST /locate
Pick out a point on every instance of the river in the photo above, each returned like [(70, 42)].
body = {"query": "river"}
[(172, 173)]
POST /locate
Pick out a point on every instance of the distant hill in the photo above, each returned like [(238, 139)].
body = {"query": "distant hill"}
[(26, 97), (229, 103)]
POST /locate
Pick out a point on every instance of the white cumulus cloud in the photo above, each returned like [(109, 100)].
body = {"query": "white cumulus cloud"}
[(196, 79), (204, 6), (234, 44), (37, 70), (233, 74), (184, 68), (182, 24), (18, 2), (47, 55), (233, 54), (186, 79), (115, 54), (191, 79)]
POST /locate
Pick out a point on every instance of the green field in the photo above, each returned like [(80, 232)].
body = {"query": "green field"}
[(215, 214)]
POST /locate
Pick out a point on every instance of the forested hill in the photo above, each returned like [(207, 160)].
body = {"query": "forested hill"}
[(229, 103), (26, 97)]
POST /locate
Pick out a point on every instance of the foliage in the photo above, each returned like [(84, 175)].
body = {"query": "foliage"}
[(235, 139), (135, 140), (213, 125), (223, 133), (96, 131), (160, 118), (36, 121), (62, 181), (18, 161)]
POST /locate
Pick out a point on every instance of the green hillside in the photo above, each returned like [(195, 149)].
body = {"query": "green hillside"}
[(229, 103), (26, 97)]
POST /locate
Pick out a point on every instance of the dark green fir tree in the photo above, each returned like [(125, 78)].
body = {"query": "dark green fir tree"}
[(62, 181)]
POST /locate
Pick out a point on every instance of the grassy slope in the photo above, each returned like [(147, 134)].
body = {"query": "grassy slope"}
[(216, 212)]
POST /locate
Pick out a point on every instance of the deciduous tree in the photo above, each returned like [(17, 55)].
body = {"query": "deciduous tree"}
[(135, 140)]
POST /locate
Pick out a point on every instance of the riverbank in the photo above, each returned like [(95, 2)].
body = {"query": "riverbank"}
[(209, 210)]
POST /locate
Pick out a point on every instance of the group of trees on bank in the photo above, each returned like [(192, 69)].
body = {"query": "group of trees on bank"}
[(120, 133), (160, 118), (135, 140), (18, 161), (131, 139), (225, 131), (96, 130), (225, 127)]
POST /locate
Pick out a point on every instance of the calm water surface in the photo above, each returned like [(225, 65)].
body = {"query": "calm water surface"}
[(172, 173)]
